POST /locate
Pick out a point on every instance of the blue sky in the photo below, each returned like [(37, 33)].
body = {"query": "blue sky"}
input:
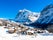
[(9, 8)]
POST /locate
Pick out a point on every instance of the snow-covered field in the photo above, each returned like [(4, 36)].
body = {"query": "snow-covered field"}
[(6, 36)]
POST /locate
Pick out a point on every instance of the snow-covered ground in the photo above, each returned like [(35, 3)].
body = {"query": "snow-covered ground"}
[(6, 36)]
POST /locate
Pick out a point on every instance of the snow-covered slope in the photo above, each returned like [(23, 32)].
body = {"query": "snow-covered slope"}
[(6, 36)]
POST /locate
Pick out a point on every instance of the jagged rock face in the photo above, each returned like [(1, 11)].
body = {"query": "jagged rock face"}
[(46, 17), (26, 16)]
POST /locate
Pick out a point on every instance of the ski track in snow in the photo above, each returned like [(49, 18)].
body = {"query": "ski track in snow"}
[(6, 36)]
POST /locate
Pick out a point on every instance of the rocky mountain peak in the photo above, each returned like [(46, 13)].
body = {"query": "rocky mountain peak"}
[(25, 15)]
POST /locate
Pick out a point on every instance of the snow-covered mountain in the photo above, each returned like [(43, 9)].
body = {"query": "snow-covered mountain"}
[(26, 16), (46, 17)]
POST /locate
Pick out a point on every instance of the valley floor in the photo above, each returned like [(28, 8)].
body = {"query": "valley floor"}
[(6, 36)]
